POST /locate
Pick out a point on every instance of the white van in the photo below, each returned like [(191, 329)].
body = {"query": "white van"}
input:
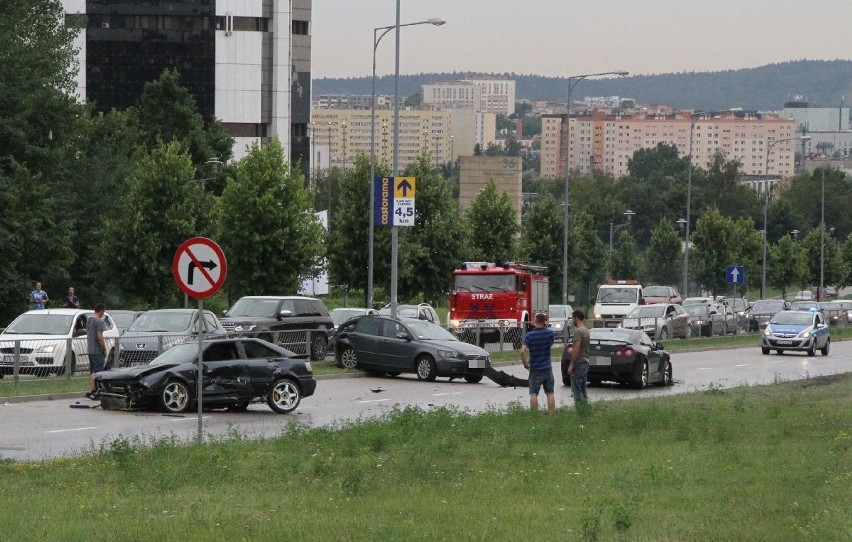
[(615, 300)]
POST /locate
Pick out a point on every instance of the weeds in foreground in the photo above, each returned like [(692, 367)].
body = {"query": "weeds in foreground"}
[(763, 462)]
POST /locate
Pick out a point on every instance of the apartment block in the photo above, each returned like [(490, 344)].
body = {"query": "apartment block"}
[(246, 62), (488, 95), (605, 142)]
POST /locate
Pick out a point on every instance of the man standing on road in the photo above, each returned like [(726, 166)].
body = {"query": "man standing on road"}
[(538, 342), (95, 328), (579, 366)]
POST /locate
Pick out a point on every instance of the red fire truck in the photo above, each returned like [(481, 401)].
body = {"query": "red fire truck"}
[(490, 302)]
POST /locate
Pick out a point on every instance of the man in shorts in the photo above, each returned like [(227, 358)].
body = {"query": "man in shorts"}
[(95, 328), (538, 342)]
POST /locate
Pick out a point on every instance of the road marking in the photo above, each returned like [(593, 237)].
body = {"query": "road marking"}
[(446, 393), (742, 365), (75, 429), (373, 401), (192, 419), (777, 361), (704, 369)]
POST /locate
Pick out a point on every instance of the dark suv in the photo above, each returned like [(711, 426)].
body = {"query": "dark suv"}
[(282, 320)]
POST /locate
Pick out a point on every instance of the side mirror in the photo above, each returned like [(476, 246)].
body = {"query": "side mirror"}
[(225, 312), (403, 335), (79, 332), (658, 346), (284, 314)]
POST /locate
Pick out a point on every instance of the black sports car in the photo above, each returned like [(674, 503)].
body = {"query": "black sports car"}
[(236, 372), (626, 356)]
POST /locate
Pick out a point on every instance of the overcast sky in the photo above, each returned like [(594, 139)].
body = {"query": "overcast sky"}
[(573, 37)]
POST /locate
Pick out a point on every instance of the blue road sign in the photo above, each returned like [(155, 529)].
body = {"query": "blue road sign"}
[(394, 201), (735, 274)]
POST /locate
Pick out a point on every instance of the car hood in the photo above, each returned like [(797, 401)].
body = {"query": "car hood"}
[(636, 322), (788, 329), (12, 337), (134, 373), (465, 348)]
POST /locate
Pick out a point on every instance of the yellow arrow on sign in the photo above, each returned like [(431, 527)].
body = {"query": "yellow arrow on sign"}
[(403, 187)]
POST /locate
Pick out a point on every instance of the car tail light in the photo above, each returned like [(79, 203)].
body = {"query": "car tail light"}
[(617, 353), (628, 353)]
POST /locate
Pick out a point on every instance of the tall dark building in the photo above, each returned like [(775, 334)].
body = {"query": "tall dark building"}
[(247, 62)]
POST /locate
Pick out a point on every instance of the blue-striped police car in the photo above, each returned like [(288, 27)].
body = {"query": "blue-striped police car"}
[(804, 331)]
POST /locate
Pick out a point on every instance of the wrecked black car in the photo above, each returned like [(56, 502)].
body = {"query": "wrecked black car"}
[(236, 372)]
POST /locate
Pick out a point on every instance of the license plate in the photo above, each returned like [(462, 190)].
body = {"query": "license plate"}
[(784, 342), (9, 359), (476, 364), (599, 360), (611, 324)]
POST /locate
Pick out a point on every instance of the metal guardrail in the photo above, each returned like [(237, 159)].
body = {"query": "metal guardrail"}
[(67, 357)]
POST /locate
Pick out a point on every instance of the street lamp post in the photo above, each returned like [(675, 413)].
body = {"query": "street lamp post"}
[(766, 204), (612, 229), (572, 82), (377, 37)]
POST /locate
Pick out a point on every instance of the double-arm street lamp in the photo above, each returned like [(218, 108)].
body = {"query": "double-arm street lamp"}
[(572, 82), (378, 34), (612, 229), (766, 203)]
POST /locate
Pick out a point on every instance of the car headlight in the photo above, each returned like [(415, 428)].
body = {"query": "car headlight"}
[(767, 332), (699, 322), (454, 324), (47, 349), (245, 327), (448, 353), (557, 325), (597, 316), (805, 334)]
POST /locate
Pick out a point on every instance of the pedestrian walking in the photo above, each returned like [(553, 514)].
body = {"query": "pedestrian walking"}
[(537, 343)]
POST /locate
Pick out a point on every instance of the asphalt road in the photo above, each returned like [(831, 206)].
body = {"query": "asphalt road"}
[(47, 429)]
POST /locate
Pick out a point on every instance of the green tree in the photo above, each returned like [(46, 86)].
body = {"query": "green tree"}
[(586, 252), (713, 249), (348, 249), (664, 259), (269, 232), (625, 260), (434, 246), (491, 224), (786, 265), (160, 208), (846, 252), (541, 239), (721, 189), (748, 252), (827, 263)]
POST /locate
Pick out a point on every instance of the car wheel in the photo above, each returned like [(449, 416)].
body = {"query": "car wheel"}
[(765, 351), (642, 381), (175, 396), (825, 348), (425, 368), (284, 397), (667, 376), (348, 359), (61, 370), (473, 379), (664, 334), (319, 347), (812, 349)]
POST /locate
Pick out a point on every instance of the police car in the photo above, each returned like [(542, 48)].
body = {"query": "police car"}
[(804, 331)]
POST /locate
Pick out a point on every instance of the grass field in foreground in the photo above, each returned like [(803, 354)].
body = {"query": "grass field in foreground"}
[(755, 463)]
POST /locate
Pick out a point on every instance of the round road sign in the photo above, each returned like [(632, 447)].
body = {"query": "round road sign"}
[(199, 267)]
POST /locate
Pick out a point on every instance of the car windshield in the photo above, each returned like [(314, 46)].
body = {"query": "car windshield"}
[(695, 301), (122, 319), (180, 353), (656, 291), (831, 306), (612, 334), (338, 316), (40, 324), (793, 318), (560, 312), (768, 306), (696, 310), (427, 331), (485, 282), (805, 305), (610, 294), (648, 311), (162, 321), (253, 307)]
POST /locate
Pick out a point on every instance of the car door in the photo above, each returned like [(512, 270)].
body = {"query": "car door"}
[(226, 374), (396, 346), (260, 359), (364, 340), (654, 358), (679, 321), (820, 333)]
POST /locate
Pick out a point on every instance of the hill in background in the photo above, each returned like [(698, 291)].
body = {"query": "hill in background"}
[(821, 82)]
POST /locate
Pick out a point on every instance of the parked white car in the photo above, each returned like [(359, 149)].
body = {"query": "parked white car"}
[(41, 338)]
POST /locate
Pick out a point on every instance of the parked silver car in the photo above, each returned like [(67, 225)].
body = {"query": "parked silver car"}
[(156, 331)]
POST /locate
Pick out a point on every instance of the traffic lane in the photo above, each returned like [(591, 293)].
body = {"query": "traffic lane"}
[(44, 429)]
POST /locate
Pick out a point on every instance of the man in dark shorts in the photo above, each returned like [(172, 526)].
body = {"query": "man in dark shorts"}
[(579, 366), (538, 342), (95, 328)]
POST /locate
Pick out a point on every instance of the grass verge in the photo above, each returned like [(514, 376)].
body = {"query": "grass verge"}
[(755, 463)]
